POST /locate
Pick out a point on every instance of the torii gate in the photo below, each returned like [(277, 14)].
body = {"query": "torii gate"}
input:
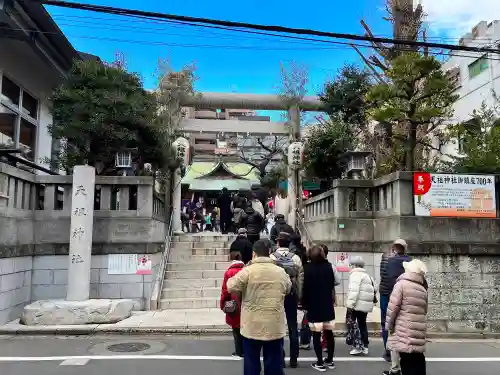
[(247, 101)]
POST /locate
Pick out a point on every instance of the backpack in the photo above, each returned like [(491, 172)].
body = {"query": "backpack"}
[(286, 262)]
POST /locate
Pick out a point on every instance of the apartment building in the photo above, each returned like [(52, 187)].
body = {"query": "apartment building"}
[(231, 146), (477, 77)]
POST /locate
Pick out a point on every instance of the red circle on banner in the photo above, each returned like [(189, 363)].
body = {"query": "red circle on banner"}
[(421, 183)]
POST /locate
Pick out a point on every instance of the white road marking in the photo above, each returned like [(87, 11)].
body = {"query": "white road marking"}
[(75, 362), (218, 358)]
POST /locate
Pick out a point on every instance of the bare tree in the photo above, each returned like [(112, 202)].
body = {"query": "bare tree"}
[(261, 159), (172, 87)]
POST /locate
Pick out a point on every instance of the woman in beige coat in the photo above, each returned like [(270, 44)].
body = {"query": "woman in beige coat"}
[(406, 318)]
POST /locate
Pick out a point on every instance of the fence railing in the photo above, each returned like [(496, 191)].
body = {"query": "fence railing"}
[(26, 192), (385, 196), (157, 287)]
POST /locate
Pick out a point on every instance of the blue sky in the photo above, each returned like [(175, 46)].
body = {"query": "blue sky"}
[(226, 62)]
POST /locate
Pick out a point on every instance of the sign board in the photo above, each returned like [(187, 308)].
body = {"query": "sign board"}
[(454, 195), (122, 264), (129, 264), (342, 262), (144, 265)]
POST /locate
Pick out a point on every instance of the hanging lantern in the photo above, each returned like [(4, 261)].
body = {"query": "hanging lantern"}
[(182, 151), (296, 155)]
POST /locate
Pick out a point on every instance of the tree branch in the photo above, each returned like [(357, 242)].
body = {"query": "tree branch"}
[(368, 64)]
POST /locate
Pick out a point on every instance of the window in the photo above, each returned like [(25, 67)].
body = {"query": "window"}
[(27, 138), (10, 91), (478, 66), (7, 126), (30, 105), (18, 117)]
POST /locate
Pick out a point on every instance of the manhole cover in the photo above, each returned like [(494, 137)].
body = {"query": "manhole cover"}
[(129, 347)]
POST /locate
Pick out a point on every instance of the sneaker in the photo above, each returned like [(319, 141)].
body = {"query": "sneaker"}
[(305, 346), (356, 351), (365, 351), (293, 363), (388, 372), (236, 355), (320, 368), (387, 356), (329, 364)]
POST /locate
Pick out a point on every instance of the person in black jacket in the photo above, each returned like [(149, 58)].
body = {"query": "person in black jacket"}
[(224, 203), (280, 226), (317, 300), (391, 267), (242, 245), (253, 222)]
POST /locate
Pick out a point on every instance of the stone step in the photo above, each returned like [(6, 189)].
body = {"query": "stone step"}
[(181, 257), (189, 303), (172, 293), (192, 283), (196, 266), (204, 237), (201, 251), (199, 245), (195, 274)]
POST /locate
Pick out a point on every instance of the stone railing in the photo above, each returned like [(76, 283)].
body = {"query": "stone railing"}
[(129, 196), (386, 196), (35, 213)]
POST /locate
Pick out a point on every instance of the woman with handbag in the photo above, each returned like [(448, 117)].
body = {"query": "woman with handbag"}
[(361, 298), (230, 304), (317, 300)]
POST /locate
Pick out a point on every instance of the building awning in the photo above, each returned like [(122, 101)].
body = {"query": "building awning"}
[(217, 184), (216, 175)]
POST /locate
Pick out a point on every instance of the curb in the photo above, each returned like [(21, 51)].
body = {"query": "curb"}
[(87, 331), (17, 330)]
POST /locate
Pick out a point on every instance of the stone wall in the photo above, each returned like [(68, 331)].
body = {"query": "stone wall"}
[(50, 278), (372, 266), (464, 293), (462, 254), (15, 286)]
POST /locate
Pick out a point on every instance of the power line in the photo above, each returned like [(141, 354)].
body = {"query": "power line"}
[(334, 45), (272, 28), (161, 22)]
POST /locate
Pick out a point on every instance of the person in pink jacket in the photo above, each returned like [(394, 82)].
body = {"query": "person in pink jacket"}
[(406, 318)]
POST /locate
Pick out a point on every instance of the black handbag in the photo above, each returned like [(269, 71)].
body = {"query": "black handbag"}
[(375, 299), (230, 307)]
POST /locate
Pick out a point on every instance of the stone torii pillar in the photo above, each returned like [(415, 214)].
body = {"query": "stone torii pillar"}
[(294, 190)]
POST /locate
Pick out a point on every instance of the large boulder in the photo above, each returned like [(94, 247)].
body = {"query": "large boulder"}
[(92, 311)]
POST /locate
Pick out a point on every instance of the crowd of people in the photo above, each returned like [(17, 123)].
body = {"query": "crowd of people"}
[(230, 212), (270, 280)]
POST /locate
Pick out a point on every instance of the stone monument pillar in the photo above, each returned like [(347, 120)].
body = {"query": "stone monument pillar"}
[(80, 240), (78, 309)]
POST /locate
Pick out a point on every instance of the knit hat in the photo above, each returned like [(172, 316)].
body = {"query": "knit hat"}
[(415, 266)]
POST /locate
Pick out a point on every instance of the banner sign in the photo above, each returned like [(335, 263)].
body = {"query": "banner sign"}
[(454, 195), (342, 262)]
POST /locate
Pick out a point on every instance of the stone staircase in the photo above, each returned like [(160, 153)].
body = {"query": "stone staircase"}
[(195, 270)]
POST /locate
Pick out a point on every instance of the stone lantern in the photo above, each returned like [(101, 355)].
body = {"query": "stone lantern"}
[(356, 163)]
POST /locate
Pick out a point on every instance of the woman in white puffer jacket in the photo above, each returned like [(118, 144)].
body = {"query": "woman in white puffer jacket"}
[(360, 300)]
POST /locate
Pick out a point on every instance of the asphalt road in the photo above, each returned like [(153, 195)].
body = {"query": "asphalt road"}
[(181, 355)]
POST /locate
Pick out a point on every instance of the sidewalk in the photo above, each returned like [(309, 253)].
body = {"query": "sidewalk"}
[(197, 321)]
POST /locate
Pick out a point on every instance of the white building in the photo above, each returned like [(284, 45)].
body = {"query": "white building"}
[(34, 58), (477, 77)]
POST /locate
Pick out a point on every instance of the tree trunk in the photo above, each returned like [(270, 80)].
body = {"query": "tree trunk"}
[(411, 143)]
